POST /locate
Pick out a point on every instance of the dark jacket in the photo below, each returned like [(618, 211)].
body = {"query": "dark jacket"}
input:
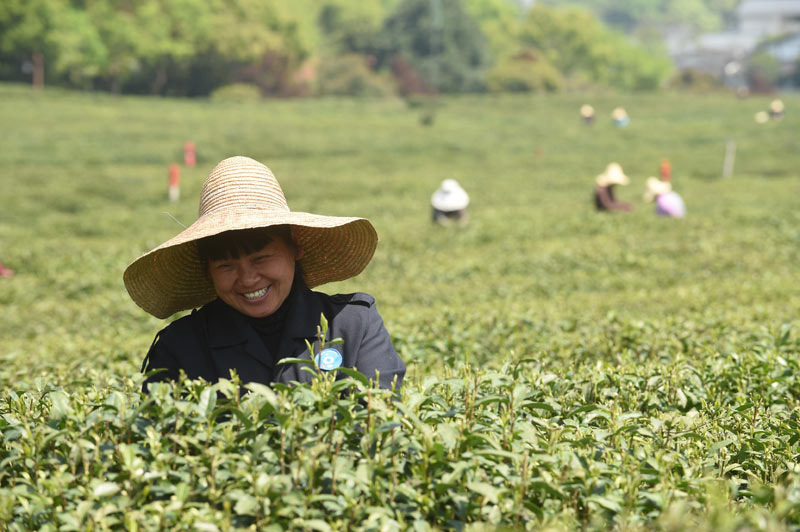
[(604, 200), (214, 339)]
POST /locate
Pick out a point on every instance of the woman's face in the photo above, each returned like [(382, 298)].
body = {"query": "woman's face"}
[(256, 284)]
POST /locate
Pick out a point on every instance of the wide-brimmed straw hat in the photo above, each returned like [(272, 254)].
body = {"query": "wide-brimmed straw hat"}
[(613, 175), (656, 187), (241, 193), (450, 197)]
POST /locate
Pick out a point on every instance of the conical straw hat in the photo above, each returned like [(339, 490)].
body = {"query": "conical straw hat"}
[(241, 193), (656, 187), (613, 175)]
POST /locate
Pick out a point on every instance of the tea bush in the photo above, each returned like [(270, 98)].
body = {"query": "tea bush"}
[(567, 369)]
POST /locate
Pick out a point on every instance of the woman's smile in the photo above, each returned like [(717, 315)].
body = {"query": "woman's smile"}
[(258, 294)]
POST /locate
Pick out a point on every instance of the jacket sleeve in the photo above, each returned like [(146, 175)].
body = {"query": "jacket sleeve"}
[(159, 357), (377, 354)]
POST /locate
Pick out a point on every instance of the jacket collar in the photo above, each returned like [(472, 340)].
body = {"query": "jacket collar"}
[(304, 313)]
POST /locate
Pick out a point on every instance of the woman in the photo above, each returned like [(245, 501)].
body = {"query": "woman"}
[(668, 202), (249, 263), (604, 199)]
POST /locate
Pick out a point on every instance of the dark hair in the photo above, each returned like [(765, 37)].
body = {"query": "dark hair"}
[(234, 244)]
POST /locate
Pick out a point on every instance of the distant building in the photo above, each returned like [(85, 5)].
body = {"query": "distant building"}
[(762, 18), (724, 54)]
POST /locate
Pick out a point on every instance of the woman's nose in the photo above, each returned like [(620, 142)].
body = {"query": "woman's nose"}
[(247, 274)]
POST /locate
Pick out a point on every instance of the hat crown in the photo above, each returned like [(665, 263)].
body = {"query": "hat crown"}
[(241, 183)]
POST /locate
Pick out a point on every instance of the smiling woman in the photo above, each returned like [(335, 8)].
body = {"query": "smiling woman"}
[(252, 269), (249, 264)]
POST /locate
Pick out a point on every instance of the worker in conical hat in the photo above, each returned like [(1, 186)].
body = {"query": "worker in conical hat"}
[(449, 204), (667, 201), (604, 197)]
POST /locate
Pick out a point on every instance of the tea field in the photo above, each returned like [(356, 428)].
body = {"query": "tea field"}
[(567, 369)]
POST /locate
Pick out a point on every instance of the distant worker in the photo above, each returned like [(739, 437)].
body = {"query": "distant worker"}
[(667, 201), (604, 199), (620, 117), (449, 204), (6, 272), (587, 113), (776, 109)]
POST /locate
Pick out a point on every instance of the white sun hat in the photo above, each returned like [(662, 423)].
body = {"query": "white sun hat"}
[(450, 197)]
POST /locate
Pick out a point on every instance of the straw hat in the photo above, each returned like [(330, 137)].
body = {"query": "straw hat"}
[(241, 193), (613, 175), (776, 106), (587, 110), (450, 197), (619, 113), (656, 187)]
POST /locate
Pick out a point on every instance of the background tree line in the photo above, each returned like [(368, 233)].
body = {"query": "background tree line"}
[(353, 47)]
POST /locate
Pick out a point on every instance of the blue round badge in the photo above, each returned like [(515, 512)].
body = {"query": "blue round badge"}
[(329, 359)]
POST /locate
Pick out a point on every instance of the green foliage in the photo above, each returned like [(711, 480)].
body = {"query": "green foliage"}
[(499, 20), (591, 443), (350, 28), (587, 52), (150, 45), (441, 42), (25, 25), (567, 369), (527, 72), (763, 71), (634, 15), (351, 75), (236, 92), (694, 80)]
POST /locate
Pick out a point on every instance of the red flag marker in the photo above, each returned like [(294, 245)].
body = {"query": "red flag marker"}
[(188, 154), (174, 182), (665, 169)]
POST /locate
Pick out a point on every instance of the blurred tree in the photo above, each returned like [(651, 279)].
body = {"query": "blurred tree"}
[(499, 20), (155, 46), (27, 32), (262, 40), (527, 71), (351, 75), (81, 53), (632, 16), (349, 27), (586, 52), (763, 71), (439, 40)]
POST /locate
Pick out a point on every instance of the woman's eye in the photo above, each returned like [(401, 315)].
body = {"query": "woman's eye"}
[(222, 266)]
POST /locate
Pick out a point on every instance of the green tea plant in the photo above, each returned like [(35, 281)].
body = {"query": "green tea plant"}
[(526, 445)]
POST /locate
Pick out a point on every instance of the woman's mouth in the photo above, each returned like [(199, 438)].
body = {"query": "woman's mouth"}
[(251, 296)]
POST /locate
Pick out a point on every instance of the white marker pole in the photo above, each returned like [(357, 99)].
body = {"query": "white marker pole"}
[(730, 156)]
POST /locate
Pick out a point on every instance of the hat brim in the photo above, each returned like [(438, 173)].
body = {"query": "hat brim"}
[(172, 278), (606, 179)]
